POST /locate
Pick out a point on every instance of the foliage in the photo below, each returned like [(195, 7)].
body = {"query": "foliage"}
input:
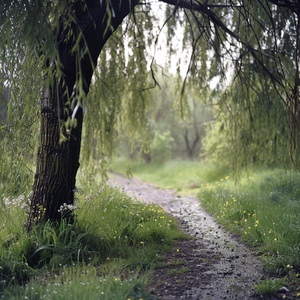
[(113, 241), (165, 116), (18, 126), (262, 41), (251, 128), (161, 146), (214, 38), (116, 105), (263, 210), (252, 112), (256, 119), (185, 123)]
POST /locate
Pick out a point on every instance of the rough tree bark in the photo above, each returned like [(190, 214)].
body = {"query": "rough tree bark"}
[(57, 161)]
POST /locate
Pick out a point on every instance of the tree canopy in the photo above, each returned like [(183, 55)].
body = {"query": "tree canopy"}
[(75, 55)]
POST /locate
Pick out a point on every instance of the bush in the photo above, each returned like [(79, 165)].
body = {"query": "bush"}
[(161, 147)]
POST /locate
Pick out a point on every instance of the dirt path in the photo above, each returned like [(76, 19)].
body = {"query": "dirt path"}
[(214, 265)]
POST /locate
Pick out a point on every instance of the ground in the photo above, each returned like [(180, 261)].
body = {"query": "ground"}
[(213, 264), (184, 268)]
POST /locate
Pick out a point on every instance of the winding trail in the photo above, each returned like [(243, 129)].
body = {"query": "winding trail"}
[(231, 269)]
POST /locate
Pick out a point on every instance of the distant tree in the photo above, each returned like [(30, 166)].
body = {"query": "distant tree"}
[(52, 48), (4, 99), (185, 123)]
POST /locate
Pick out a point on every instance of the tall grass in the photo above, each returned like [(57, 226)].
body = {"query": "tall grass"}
[(106, 254), (264, 210)]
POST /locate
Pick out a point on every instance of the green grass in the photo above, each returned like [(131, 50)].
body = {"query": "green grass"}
[(108, 253), (264, 211), (184, 176), (270, 286), (262, 207), (82, 283)]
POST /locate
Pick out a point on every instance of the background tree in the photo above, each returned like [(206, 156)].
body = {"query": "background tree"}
[(168, 132), (62, 43)]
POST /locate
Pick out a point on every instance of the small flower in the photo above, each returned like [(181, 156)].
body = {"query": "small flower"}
[(66, 207)]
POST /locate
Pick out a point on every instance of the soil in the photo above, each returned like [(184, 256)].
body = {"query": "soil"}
[(211, 265)]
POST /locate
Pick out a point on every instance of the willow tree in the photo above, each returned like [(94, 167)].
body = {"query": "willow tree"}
[(62, 41), (258, 113)]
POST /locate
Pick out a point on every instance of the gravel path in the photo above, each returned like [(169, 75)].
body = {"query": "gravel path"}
[(214, 265)]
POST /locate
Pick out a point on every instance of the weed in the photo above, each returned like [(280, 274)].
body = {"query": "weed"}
[(270, 286)]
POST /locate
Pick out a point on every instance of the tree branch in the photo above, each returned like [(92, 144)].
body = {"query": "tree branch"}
[(207, 12), (294, 6)]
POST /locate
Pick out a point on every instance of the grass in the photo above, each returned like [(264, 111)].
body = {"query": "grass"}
[(185, 176), (271, 286), (262, 207), (264, 211), (108, 253), (111, 249)]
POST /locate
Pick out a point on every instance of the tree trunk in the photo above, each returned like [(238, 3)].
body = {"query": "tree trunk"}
[(191, 148), (57, 159)]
